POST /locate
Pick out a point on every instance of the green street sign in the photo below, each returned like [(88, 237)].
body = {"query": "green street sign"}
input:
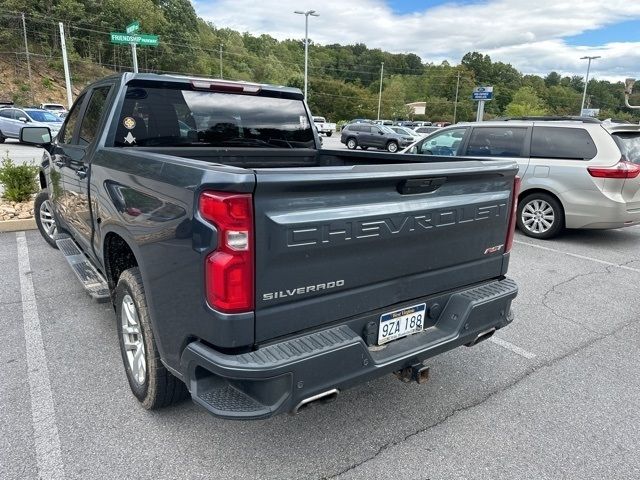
[(133, 27), (138, 39)]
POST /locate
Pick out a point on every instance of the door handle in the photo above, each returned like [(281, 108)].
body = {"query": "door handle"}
[(82, 173)]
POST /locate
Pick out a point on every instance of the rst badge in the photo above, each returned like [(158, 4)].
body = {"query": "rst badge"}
[(495, 249)]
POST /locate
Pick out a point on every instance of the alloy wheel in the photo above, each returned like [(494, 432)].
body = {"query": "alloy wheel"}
[(538, 216), (133, 340), (47, 220)]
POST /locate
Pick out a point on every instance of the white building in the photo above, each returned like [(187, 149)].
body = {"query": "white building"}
[(417, 108)]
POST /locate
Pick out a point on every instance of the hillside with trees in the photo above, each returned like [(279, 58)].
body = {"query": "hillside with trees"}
[(343, 79)]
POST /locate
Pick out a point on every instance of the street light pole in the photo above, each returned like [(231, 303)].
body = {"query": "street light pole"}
[(306, 43), (380, 93), (584, 93)]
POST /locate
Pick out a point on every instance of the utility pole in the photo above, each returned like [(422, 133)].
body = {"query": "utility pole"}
[(380, 93), (306, 44), (586, 81), (134, 56), (65, 61), (221, 45), (26, 51), (455, 105)]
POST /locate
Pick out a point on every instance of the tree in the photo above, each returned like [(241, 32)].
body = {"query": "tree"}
[(552, 79), (525, 102)]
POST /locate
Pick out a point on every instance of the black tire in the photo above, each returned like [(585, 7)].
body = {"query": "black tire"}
[(392, 147), (2, 138), (364, 148), (352, 143), (159, 388), (552, 205), (329, 134), (40, 203)]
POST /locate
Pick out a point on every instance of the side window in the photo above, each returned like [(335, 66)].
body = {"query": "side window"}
[(444, 143), (365, 129), (92, 115), (496, 142), (6, 113), (561, 142), (66, 133)]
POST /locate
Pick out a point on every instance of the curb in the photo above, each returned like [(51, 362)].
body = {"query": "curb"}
[(17, 225)]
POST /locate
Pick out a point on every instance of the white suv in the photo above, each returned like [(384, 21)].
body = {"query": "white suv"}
[(576, 172)]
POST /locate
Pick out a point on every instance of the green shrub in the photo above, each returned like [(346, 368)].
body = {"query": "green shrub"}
[(19, 181)]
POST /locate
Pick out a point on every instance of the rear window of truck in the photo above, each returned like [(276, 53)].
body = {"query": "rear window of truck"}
[(629, 144), (173, 117)]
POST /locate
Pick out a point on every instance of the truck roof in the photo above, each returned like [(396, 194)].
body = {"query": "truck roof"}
[(269, 90)]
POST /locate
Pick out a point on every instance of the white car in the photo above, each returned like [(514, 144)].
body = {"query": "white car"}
[(323, 126), (54, 108)]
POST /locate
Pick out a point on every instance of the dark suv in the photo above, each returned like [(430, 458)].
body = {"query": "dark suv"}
[(365, 135)]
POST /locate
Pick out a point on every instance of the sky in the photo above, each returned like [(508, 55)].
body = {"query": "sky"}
[(535, 36)]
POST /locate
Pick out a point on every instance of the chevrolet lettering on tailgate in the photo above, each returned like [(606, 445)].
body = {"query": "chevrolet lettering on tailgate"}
[(342, 231)]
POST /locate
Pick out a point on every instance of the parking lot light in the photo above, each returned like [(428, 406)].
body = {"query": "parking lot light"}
[(586, 81), (306, 43)]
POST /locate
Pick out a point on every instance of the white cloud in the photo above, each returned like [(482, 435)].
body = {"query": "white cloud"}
[(527, 34)]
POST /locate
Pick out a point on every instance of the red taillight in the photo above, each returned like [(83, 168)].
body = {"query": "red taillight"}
[(622, 169), (512, 218), (229, 269)]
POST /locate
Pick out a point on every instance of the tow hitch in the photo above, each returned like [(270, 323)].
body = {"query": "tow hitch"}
[(417, 372)]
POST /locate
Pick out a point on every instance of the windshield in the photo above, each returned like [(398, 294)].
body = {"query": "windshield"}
[(42, 116), (629, 143), (173, 116), (319, 119), (53, 106)]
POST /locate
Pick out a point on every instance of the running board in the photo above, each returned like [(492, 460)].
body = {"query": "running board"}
[(93, 282)]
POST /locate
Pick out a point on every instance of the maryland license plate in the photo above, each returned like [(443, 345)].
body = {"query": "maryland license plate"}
[(403, 322)]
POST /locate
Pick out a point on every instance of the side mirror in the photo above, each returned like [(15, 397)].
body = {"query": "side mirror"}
[(23, 119), (39, 136)]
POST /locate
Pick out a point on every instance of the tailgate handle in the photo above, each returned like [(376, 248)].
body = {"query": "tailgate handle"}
[(420, 185)]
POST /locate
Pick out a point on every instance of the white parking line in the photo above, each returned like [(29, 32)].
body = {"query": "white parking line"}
[(582, 257), (43, 415), (514, 348)]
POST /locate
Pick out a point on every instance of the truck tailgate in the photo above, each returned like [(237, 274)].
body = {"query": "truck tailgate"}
[(333, 242)]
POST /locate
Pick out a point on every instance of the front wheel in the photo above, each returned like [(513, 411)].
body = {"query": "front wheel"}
[(329, 134), (45, 220), (352, 144), (150, 381), (392, 147), (2, 138), (540, 216)]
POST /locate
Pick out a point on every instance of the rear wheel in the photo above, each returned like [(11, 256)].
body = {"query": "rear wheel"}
[(392, 147), (540, 216), (2, 138), (364, 148), (352, 143), (45, 220), (150, 381)]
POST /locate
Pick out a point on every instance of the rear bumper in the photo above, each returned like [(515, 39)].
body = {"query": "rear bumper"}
[(278, 377)]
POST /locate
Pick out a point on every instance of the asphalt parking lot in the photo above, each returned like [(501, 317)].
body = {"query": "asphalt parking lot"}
[(554, 395)]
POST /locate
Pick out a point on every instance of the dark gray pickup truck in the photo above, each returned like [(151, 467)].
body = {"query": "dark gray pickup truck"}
[(260, 271)]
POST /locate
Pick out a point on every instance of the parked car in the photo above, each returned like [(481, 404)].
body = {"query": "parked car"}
[(422, 131), (383, 122), (373, 136), (257, 276), (407, 132), (55, 108), (360, 120), (323, 126), (576, 173), (13, 119)]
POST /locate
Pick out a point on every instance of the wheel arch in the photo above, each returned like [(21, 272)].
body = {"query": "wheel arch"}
[(118, 256), (528, 192)]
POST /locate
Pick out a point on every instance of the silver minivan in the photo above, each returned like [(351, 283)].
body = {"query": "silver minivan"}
[(576, 173)]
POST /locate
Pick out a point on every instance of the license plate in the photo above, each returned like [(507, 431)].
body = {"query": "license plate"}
[(400, 323)]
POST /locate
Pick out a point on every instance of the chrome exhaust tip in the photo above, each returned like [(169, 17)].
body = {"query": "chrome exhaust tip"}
[(481, 337), (324, 397)]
